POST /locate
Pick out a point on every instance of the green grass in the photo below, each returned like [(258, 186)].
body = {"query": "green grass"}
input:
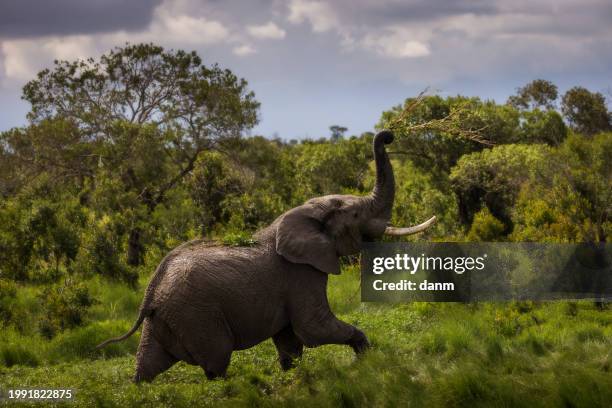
[(436, 355)]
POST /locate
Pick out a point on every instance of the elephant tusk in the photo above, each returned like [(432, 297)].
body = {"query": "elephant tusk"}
[(410, 230)]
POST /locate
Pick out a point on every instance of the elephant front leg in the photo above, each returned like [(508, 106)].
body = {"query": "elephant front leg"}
[(289, 347), (322, 327)]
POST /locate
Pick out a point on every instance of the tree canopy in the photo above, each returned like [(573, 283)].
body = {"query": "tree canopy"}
[(129, 155)]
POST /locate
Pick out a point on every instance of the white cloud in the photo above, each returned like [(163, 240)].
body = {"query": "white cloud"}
[(318, 13), (186, 29), (395, 42), (390, 42), (244, 50), (266, 31), (23, 58)]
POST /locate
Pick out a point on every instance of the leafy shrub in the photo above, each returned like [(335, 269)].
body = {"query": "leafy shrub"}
[(80, 342), (238, 239), (569, 199), (101, 252), (418, 196), (39, 237), (251, 211), (493, 178), (8, 294), (17, 354), (65, 307), (485, 227)]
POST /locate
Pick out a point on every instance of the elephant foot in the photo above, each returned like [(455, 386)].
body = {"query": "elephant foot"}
[(286, 363), (212, 375), (359, 342)]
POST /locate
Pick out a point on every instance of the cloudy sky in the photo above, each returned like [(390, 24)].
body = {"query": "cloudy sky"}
[(315, 63)]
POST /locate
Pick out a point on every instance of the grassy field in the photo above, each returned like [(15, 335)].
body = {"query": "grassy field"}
[(448, 355)]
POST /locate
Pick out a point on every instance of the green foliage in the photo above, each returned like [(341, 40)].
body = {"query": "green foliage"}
[(125, 129), (38, 235), (485, 227), (568, 201), (99, 187), (337, 133), (586, 111), (8, 295), (143, 83), (420, 195), (17, 354), (493, 178), (65, 307), (330, 168), (434, 150), (542, 127), (539, 93), (80, 343), (211, 182), (423, 354), (100, 252), (238, 239)]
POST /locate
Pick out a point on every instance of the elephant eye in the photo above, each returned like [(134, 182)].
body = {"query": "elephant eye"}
[(355, 214)]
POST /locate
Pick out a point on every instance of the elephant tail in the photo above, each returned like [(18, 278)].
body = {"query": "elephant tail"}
[(145, 308), (135, 327)]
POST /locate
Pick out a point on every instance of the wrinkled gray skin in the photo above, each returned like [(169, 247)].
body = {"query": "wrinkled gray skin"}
[(205, 301)]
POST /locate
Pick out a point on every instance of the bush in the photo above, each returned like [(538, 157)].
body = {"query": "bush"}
[(17, 354), (8, 295), (81, 342), (101, 249), (39, 237), (65, 307), (493, 178), (485, 227)]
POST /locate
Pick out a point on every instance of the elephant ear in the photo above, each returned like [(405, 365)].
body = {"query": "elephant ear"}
[(301, 238)]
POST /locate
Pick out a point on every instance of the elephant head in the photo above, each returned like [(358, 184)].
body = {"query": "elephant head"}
[(324, 228)]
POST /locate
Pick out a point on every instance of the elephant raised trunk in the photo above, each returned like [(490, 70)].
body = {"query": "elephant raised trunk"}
[(384, 190)]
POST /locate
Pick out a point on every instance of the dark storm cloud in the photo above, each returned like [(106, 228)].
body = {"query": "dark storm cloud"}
[(427, 10), (31, 18), (558, 17), (340, 61)]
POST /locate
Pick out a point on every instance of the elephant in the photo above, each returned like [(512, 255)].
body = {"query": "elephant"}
[(206, 300)]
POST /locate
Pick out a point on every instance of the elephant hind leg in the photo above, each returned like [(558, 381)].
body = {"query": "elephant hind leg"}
[(216, 365), (288, 346), (151, 358), (214, 358), (208, 341)]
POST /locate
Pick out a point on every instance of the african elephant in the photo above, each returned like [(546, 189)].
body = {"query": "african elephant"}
[(206, 300)]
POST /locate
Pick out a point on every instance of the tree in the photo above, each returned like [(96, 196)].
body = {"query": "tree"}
[(539, 93), (337, 132), (212, 181), (586, 111), (54, 146), (326, 168), (493, 178), (435, 132), (568, 200), (137, 90), (539, 126)]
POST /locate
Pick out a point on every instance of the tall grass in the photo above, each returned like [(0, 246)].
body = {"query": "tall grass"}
[(522, 354)]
